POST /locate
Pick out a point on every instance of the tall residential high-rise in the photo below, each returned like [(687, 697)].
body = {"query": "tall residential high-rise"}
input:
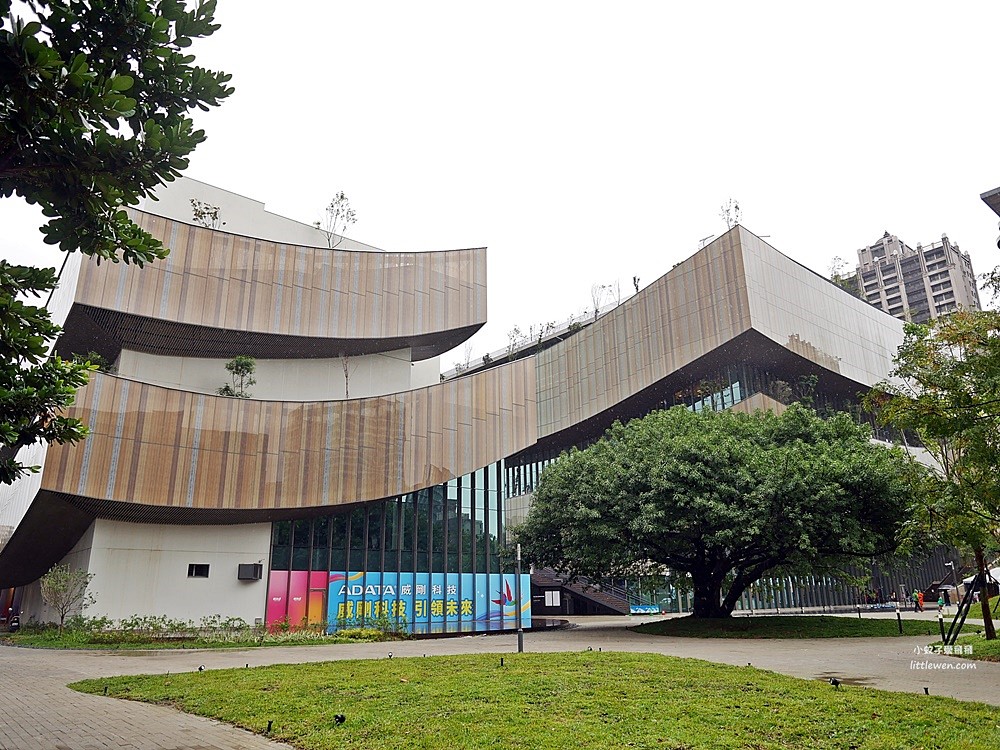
[(916, 284)]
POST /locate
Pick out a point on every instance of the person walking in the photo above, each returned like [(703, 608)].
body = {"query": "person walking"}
[(915, 596), (920, 601)]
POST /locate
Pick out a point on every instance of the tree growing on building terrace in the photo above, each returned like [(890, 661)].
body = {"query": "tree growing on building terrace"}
[(338, 217), (241, 369), (723, 496)]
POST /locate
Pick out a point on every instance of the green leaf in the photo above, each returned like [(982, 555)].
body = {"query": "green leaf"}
[(121, 83)]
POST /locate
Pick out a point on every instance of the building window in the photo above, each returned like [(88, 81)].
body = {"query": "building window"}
[(198, 570)]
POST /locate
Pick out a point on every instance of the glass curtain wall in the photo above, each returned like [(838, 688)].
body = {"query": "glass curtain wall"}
[(427, 561), (720, 390)]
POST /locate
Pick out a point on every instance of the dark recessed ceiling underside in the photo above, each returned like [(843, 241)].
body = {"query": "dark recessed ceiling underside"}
[(107, 332)]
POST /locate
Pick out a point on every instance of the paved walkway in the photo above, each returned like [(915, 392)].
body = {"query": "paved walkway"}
[(38, 711)]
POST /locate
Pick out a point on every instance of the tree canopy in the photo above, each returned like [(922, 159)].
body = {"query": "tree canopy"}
[(95, 99), (65, 590), (33, 385), (722, 496), (945, 389), (241, 369)]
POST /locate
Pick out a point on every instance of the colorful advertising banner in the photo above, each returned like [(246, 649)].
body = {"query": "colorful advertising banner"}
[(644, 609), (429, 598), (423, 602)]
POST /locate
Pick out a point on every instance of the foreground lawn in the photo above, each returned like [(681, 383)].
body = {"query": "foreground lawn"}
[(790, 626), (539, 701)]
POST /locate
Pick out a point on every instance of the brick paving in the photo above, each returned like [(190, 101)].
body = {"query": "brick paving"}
[(38, 711)]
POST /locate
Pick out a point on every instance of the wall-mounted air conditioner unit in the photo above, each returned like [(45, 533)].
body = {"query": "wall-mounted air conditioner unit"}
[(250, 572)]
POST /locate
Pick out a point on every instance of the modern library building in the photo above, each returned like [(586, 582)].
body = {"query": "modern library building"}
[(355, 482)]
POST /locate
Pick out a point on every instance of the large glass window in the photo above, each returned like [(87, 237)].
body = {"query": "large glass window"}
[(423, 556)]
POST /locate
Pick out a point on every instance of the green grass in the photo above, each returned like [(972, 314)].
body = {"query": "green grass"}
[(83, 639), (567, 700), (789, 626), (982, 649)]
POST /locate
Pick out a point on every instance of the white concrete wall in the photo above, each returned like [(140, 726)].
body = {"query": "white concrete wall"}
[(239, 214), (15, 499), (287, 379), (425, 372), (142, 569), (32, 606)]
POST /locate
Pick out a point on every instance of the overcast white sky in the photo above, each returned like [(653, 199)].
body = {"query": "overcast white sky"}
[(587, 143)]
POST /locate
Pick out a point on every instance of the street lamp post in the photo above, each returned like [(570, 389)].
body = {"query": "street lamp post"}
[(954, 573), (517, 596)]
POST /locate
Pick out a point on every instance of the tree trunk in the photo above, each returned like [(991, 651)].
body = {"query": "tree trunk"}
[(708, 595), (741, 583), (984, 595)]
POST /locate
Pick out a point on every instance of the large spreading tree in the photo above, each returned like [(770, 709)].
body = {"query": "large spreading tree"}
[(723, 496), (95, 105), (945, 389)]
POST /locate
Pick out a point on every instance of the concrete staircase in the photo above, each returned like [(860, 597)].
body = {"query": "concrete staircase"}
[(611, 599)]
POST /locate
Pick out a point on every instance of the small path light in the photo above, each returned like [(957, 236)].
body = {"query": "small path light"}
[(517, 595)]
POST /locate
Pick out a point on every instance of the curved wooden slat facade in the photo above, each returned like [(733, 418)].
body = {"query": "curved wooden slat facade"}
[(738, 299), (181, 457), (167, 448), (216, 281), (695, 308)]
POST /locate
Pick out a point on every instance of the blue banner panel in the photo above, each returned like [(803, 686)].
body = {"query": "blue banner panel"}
[(644, 609), (428, 602)]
